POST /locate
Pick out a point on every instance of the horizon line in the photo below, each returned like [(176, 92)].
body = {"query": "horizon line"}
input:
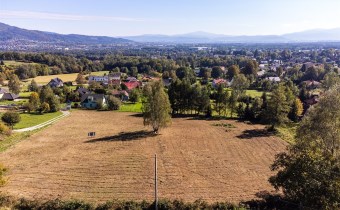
[(158, 34)]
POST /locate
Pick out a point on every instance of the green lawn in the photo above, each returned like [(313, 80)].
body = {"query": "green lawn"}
[(254, 93), (25, 94), (28, 120), (13, 102), (131, 107)]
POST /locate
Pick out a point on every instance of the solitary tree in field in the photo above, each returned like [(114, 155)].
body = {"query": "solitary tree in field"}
[(309, 173), (14, 84), (11, 118), (156, 106)]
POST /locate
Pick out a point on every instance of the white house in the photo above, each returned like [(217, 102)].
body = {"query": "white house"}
[(274, 79), (102, 79)]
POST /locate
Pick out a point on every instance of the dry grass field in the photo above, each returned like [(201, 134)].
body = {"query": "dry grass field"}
[(64, 77), (195, 160)]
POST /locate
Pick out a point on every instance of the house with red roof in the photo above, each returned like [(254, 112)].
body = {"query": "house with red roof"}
[(133, 84), (217, 82)]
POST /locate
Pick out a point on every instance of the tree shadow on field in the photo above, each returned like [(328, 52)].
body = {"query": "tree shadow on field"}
[(254, 133), (125, 136), (137, 115)]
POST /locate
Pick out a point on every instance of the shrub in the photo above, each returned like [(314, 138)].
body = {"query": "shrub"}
[(76, 105), (113, 103), (2, 173), (4, 129), (135, 95), (44, 107), (11, 118)]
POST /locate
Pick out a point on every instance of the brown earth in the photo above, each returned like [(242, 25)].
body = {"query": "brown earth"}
[(195, 160)]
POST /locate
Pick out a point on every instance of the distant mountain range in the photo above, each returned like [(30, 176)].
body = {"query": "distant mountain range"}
[(203, 37), (9, 34)]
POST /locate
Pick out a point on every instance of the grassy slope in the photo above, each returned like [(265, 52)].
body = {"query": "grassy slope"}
[(28, 120)]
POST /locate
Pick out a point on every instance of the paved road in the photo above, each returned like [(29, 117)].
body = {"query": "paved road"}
[(51, 121)]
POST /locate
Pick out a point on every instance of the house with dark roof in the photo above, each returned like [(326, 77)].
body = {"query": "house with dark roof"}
[(9, 96), (82, 91), (56, 82), (93, 101), (167, 82), (115, 76), (2, 91)]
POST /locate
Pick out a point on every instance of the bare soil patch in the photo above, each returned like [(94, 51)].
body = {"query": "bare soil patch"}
[(195, 160)]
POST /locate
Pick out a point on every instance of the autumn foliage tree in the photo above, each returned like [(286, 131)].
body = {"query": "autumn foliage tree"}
[(296, 110), (80, 79)]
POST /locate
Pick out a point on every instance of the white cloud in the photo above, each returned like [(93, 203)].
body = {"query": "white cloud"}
[(58, 16)]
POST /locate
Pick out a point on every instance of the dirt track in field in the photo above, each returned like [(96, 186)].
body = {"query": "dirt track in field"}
[(195, 160)]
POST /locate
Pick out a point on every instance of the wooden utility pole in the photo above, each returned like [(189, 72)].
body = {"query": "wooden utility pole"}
[(156, 196)]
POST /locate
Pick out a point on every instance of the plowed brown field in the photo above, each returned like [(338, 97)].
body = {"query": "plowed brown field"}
[(195, 160)]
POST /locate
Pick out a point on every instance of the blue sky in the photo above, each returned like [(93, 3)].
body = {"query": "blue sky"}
[(135, 17)]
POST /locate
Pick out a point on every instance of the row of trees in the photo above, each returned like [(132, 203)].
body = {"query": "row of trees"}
[(42, 101), (276, 108)]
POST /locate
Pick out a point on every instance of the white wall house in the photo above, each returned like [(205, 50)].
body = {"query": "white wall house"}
[(103, 79)]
